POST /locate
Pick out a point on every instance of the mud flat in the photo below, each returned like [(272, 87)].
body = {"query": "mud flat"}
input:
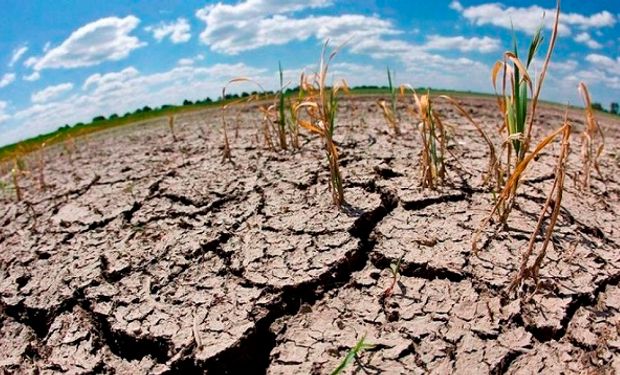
[(146, 255)]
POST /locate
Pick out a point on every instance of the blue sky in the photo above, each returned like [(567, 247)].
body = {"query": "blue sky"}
[(67, 61)]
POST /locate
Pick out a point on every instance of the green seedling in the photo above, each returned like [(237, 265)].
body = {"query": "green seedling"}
[(281, 111), (353, 354), (320, 104), (395, 271)]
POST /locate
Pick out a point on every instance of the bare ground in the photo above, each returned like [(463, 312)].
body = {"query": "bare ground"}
[(146, 255)]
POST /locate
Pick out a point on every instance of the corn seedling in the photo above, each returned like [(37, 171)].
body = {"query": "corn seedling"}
[(591, 147), (19, 168), (552, 203), (281, 111), (171, 127), (389, 110), (395, 271), (320, 104), (433, 137), (352, 354), (506, 194), (513, 103)]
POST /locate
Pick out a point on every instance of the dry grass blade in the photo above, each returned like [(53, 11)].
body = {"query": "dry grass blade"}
[(592, 141), (506, 194), (553, 202), (227, 153), (494, 168)]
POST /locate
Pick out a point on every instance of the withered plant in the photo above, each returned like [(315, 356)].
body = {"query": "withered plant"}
[(171, 127), (389, 110), (518, 113), (550, 210), (592, 141), (320, 104), (433, 138)]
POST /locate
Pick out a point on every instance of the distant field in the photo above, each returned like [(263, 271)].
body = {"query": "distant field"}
[(64, 133)]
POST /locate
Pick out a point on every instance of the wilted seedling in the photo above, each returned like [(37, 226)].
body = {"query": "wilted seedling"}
[(395, 271), (320, 104), (353, 354), (433, 137), (553, 203), (227, 154), (592, 141), (171, 127), (19, 168), (513, 103), (389, 110)]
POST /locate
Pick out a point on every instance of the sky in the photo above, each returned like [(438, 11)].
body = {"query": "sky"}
[(67, 61)]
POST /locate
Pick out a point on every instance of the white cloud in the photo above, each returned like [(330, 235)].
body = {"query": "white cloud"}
[(456, 5), (107, 39), (50, 92), (3, 115), (32, 77), (605, 63), (17, 54), (124, 91), (7, 79), (528, 19), (252, 24), (585, 38), (109, 78), (178, 31), (191, 60), (483, 44)]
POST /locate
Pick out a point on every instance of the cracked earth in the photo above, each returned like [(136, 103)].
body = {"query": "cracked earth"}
[(149, 256)]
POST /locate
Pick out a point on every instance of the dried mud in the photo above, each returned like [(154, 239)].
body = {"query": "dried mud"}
[(145, 255)]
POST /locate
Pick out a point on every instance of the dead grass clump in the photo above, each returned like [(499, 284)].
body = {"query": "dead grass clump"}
[(592, 141), (320, 104)]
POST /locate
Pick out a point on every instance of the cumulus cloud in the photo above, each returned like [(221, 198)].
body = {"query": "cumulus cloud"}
[(252, 24), (50, 92), (17, 54), (107, 39), (585, 38), (178, 31), (32, 77), (483, 44), (7, 79), (3, 115), (605, 63), (528, 19)]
